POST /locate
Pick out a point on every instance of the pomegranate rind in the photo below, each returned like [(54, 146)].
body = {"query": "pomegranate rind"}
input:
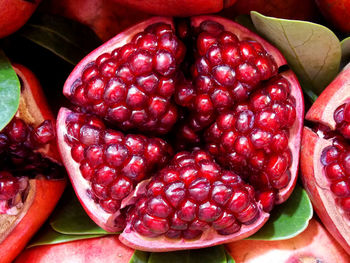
[(177, 8), (33, 107), (80, 184), (41, 200), (103, 249), (317, 187), (333, 96), (243, 34), (117, 41), (14, 14), (303, 248), (295, 136), (209, 238)]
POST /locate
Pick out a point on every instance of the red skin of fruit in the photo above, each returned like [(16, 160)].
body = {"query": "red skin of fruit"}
[(42, 199), (95, 250), (315, 244), (43, 194), (14, 14), (105, 17), (177, 7), (337, 12), (106, 220), (315, 182), (289, 9)]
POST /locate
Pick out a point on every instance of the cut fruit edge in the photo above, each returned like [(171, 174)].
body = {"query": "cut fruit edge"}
[(42, 198)]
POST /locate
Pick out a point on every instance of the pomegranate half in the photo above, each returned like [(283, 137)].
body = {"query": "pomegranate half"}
[(324, 157), (31, 177), (184, 134)]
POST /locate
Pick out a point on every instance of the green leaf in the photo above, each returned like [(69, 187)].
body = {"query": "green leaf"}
[(312, 50), (205, 255), (139, 257), (345, 51), (70, 218), (288, 219), (10, 89), (47, 236), (66, 38), (229, 258)]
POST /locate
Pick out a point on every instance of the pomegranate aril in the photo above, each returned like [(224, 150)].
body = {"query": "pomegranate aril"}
[(341, 188), (9, 186), (235, 227)]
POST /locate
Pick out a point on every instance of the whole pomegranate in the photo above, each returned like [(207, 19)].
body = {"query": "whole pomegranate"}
[(95, 250), (309, 246), (183, 135), (289, 9), (325, 157), (31, 178), (105, 17), (14, 14), (177, 7), (336, 11)]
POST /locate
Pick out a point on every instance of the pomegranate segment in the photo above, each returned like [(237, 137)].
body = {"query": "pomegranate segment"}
[(192, 198), (109, 162), (132, 85), (223, 93), (256, 138), (325, 158)]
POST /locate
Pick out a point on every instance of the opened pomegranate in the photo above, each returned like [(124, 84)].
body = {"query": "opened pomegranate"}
[(208, 86), (31, 178), (325, 159)]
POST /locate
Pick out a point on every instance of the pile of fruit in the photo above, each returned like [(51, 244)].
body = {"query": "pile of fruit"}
[(182, 135)]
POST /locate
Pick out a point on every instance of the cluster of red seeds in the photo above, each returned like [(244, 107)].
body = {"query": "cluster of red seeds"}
[(133, 85), (192, 195), (342, 118), (143, 85), (18, 140), (225, 72), (111, 161), (336, 159), (252, 138)]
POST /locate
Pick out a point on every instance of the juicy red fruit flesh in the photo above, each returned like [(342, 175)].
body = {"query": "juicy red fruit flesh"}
[(19, 142), (336, 159), (132, 86), (222, 94), (191, 195), (112, 162)]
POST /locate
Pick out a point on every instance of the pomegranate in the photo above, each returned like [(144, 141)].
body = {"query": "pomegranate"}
[(105, 17), (306, 247), (14, 14), (209, 87), (101, 249), (289, 9), (324, 158), (177, 7), (31, 178), (336, 11)]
